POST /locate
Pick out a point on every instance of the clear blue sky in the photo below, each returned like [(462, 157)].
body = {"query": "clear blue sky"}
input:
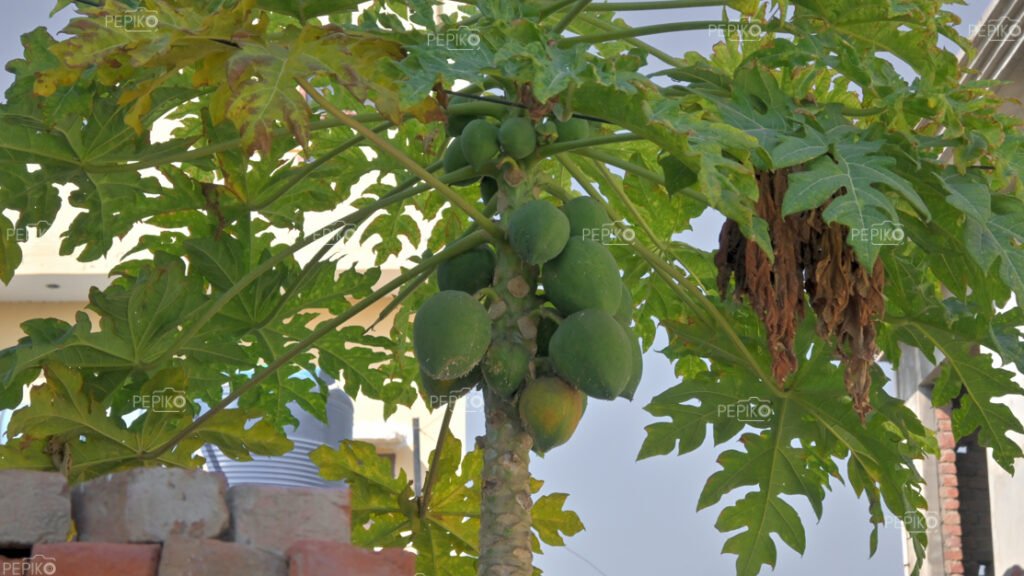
[(641, 516)]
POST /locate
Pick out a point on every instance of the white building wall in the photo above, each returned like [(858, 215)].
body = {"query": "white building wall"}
[(1006, 495)]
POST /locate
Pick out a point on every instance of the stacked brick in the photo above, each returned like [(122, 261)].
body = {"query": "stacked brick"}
[(949, 496), (172, 522)]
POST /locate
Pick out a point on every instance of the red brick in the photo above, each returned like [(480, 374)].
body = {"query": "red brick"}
[(951, 518), (946, 441), (950, 480), (193, 557), (948, 456), (949, 492), (327, 558), (951, 530), (947, 468), (954, 568), (92, 558), (953, 554), (950, 504), (944, 425)]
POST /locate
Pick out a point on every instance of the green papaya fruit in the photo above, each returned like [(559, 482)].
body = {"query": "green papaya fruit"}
[(505, 366), (439, 392), (454, 160), (591, 351), (488, 188), (450, 335), (587, 218), (624, 313), (545, 330), (547, 132), (550, 410), (636, 364), (457, 122), (479, 143), (584, 275), (538, 231), (572, 129), (517, 137), (468, 272)]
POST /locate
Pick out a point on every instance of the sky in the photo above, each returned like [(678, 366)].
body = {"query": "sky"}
[(641, 517)]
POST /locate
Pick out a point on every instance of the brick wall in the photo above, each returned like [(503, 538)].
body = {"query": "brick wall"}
[(172, 522), (964, 504), (949, 497)]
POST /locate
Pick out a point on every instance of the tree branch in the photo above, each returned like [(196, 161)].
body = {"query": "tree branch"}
[(640, 31), (311, 167), (397, 194), (458, 247), (385, 146), (169, 157), (570, 16), (559, 147), (308, 269), (652, 5), (435, 460), (683, 286)]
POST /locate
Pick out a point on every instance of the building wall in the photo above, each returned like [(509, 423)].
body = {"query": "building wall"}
[(975, 505), (913, 370), (975, 510), (1006, 493)]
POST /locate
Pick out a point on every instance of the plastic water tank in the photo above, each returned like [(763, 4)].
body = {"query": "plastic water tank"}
[(295, 467)]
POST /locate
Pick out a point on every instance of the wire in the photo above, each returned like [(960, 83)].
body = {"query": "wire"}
[(584, 558), (516, 104)]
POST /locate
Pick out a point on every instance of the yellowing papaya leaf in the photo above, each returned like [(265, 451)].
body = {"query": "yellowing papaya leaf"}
[(306, 9), (552, 522)]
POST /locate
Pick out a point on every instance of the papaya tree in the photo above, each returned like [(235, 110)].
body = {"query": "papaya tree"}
[(864, 210)]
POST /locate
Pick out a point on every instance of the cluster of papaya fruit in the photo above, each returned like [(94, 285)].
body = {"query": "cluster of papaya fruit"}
[(580, 344), (584, 334), (478, 140)]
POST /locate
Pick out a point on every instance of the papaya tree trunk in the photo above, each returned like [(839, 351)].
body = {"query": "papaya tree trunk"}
[(505, 519), (505, 500)]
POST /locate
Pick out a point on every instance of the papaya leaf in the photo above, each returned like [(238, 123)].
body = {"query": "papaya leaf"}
[(63, 422), (10, 252), (233, 432), (906, 30), (970, 379), (728, 186), (552, 522), (801, 437), (689, 423), (856, 172), (382, 504), (998, 238), (306, 9)]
